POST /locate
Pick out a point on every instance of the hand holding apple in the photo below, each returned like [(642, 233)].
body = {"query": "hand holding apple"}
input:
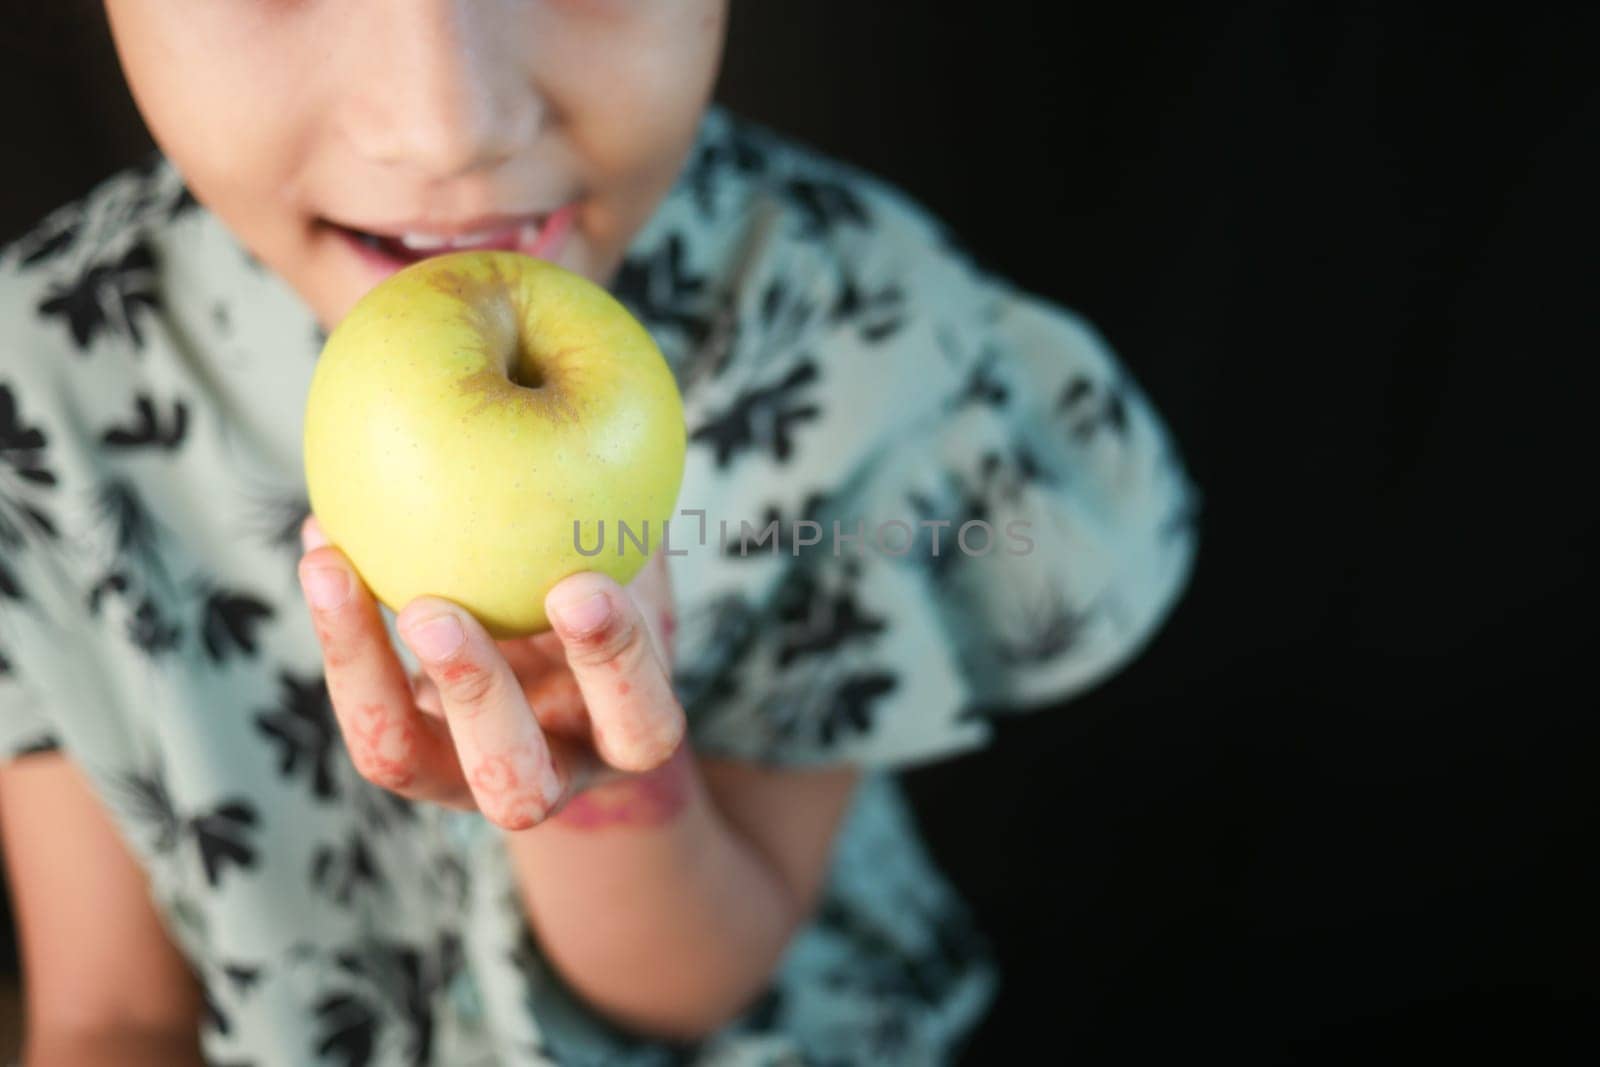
[(517, 729), (467, 412)]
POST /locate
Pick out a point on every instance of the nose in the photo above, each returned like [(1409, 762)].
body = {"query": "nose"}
[(431, 87)]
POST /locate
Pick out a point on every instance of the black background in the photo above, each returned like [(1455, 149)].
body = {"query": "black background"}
[(1342, 806)]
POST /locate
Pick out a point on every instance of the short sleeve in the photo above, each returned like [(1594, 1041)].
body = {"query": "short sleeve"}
[(24, 727), (985, 515), (29, 522), (36, 608)]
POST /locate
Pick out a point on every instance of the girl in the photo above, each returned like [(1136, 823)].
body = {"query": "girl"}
[(251, 816)]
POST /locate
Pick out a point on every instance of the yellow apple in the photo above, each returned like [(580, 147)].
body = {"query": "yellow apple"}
[(467, 412)]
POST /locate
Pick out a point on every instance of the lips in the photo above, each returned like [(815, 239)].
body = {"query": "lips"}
[(535, 235)]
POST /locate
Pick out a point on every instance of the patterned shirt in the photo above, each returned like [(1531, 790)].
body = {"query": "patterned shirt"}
[(977, 513)]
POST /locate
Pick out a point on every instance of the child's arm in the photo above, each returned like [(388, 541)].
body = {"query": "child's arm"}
[(103, 983), (668, 900), (664, 890)]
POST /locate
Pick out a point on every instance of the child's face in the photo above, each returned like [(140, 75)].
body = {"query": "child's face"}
[(300, 121)]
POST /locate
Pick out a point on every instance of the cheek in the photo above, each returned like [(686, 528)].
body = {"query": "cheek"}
[(198, 79), (631, 105)]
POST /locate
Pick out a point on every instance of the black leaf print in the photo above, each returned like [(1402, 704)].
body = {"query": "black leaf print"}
[(149, 630), (657, 289), (106, 296), (275, 516), (1003, 476), (22, 446), (221, 836), (763, 416), (824, 203), (348, 1028), (1092, 406), (40, 521), (818, 620), (1028, 467), (113, 582), (304, 728), (341, 871), (146, 800), (405, 981), (753, 539), (785, 315), (228, 619), (23, 475), (1050, 629), (146, 628), (137, 532), (878, 315), (241, 976), (981, 387), (942, 551), (147, 429), (850, 709), (738, 149)]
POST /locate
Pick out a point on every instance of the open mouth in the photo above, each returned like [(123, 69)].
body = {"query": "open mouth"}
[(533, 235)]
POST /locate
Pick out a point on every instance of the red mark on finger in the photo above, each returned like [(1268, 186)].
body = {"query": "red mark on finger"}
[(623, 688), (503, 797), (522, 813), (333, 652), (454, 672), (494, 775), (382, 748), (669, 626), (649, 799)]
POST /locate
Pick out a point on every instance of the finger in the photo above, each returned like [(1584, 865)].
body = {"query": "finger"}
[(390, 743), (508, 764), (634, 715), (551, 692)]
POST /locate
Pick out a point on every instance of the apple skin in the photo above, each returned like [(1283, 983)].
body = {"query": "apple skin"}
[(437, 472)]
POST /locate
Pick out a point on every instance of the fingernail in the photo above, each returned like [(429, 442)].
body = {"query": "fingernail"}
[(436, 638), (311, 535), (586, 616), (326, 587)]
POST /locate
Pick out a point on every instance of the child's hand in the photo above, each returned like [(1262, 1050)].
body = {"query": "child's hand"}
[(513, 728)]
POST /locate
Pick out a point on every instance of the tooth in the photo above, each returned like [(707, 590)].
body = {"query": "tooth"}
[(422, 242), (528, 233), (469, 239)]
